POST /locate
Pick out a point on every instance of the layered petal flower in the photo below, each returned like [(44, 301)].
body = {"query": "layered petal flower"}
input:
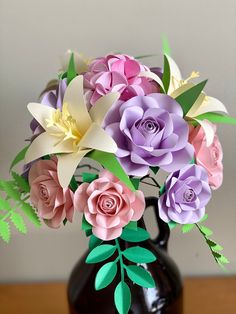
[(72, 131)]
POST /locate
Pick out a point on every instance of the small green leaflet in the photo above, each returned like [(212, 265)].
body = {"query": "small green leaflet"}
[(204, 218), (162, 190), (89, 177), (187, 228), (216, 118), (4, 204), (19, 157), (18, 222), (208, 232), (71, 71), (172, 224), (155, 169), (5, 231), (73, 184), (100, 253), (138, 235), (122, 297), (10, 190), (94, 242), (135, 182), (140, 276), (21, 182), (137, 254), (166, 75), (86, 227), (109, 162), (188, 98), (105, 275), (29, 211)]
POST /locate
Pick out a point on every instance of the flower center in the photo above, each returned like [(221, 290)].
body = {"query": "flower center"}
[(43, 193), (150, 126), (189, 195), (108, 204), (64, 126)]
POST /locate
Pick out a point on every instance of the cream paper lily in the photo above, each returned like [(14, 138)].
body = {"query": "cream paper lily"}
[(72, 132)]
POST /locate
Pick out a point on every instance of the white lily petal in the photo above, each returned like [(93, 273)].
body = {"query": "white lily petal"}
[(102, 106), (45, 144), (208, 129), (180, 90), (154, 77), (211, 104), (198, 103), (74, 98), (67, 164), (175, 75), (41, 113), (97, 138)]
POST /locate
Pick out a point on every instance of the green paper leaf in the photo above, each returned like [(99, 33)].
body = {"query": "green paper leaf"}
[(109, 162), (204, 218), (21, 182), (188, 98), (162, 190), (208, 232), (71, 71), (138, 235), (64, 221), (105, 275), (155, 169), (122, 297), (5, 233), (223, 260), (214, 246), (165, 46), (140, 276), (135, 182), (137, 254), (100, 253), (217, 118), (85, 225), (10, 190), (29, 211), (187, 228), (172, 224), (18, 222), (94, 242), (166, 75), (89, 177), (73, 184), (133, 225), (4, 204), (19, 157)]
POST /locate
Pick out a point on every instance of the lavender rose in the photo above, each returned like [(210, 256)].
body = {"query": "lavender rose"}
[(149, 131), (186, 194)]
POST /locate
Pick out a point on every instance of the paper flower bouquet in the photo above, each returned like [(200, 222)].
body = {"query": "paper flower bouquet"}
[(133, 121)]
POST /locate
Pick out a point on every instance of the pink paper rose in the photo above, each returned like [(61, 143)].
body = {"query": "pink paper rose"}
[(210, 157), (108, 205), (52, 202), (116, 73)]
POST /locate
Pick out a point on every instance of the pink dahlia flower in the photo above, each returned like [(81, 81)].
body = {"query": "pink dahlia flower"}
[(108, 205), (116, 73), (53, 203)]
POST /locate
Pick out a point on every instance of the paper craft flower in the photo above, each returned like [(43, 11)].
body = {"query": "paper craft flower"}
[(208, 156), (186, 194), (116, 73), (53, 203), (71, 132), (149, 131), (51, 98), (108, 205)]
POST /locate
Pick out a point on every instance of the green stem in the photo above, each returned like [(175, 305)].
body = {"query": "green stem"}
[(121, 260)]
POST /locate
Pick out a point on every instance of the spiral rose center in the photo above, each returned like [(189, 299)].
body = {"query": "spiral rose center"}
[(43, 193), (108, 204), (150, 126), (189, 195)]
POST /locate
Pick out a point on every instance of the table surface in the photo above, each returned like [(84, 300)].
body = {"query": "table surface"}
[(201, 296)]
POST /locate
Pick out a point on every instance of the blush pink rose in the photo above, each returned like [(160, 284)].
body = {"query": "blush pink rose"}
[(108, 205), (210, 157), (116, 73), (53, 203)]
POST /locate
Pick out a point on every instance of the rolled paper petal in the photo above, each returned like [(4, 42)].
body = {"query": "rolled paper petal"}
[(74, 98), (67, 164), (41, 113), (46, 144)]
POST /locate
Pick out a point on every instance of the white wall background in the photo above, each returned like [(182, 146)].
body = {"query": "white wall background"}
[(33, 35)]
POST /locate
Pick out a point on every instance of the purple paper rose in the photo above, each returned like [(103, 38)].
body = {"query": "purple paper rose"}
[(149, 131), (187, 192), (52, 98), (116, 73)]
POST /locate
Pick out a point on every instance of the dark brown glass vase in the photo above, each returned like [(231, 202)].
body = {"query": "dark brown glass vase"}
[(165, 298)]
